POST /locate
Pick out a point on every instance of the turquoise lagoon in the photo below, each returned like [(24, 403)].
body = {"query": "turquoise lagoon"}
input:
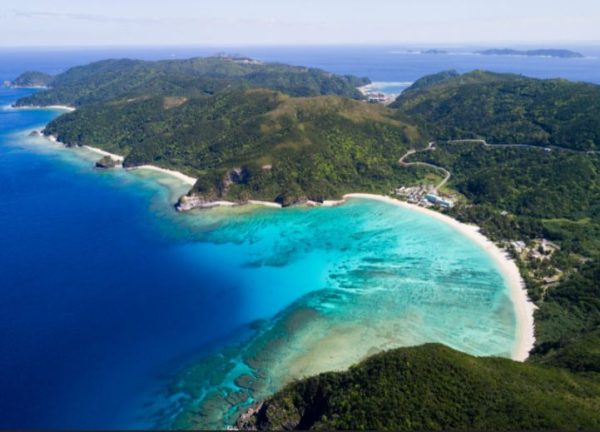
[(118, 312), (365, 277)]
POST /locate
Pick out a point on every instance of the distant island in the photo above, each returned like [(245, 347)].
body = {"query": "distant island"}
[(434, 52), (556, 53)]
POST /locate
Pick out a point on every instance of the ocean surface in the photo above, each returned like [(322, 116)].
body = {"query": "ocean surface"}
[(117, 312)]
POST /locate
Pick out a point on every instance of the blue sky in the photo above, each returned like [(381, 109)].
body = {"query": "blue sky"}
[(277, 22)]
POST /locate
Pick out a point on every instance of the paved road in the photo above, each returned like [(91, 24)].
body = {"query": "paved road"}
[(546, 148), (447, 173), (430, 147)]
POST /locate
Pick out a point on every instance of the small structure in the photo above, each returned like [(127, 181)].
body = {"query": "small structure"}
[(414, 194), (518, 245), (437, 200), (377, 97)]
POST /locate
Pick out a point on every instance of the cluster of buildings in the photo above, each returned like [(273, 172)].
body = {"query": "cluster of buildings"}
[(425, 195), (540, 249), (377, 97)]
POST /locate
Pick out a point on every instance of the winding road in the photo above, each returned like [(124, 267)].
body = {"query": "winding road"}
[(448, 174), (430, 147)]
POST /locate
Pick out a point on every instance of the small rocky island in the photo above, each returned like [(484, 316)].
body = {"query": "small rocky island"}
[(435, 52)]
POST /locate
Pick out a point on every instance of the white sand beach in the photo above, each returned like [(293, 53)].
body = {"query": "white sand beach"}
[(36, 107), (524, 308), (265, 203), (104, 153), (184, 178), (61, 107)]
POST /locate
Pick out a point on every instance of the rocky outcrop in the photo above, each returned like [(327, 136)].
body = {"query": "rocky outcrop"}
[(193, 201), (269, 415), (106, 162), (248, 419), (207, 194)]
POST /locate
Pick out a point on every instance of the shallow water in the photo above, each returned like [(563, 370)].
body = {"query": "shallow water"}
[(379, 277)]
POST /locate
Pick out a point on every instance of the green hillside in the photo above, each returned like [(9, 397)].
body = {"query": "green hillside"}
[(433, 387), (32, 79), (285, 149), (504, 108), (111, 79)]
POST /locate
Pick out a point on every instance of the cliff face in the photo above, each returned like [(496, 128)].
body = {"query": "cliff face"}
[(433, 387)]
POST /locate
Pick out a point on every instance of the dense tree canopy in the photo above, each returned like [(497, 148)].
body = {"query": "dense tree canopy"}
[(505, 108)]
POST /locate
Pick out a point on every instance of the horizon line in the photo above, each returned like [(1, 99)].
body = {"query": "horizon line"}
[(299, 45)]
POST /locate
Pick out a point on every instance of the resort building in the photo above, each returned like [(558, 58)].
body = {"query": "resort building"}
[(437, 200)]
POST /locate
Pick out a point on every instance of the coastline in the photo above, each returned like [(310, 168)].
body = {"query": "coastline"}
[(104, 153), (179, 175), (523, 307), (39, 107)]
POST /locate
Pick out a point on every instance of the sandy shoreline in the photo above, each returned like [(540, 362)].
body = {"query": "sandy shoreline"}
[(524, 308), (179, 175), (37, 107), (104, 153)]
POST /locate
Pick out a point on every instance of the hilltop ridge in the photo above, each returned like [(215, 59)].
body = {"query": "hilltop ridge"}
[(105, 80)]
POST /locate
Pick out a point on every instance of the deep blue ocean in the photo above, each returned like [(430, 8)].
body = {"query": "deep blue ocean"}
[(109, 299)]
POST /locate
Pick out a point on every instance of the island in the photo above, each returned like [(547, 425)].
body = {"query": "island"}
[(516, 156), (434, 52), (556, 53)]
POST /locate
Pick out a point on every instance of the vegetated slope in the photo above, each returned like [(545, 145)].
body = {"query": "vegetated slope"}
[(110, 79), (281, 148), (32, 79), (433, 387), (505, 108)]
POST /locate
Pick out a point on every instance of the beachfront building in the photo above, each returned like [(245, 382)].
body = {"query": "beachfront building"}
[(437, 200)]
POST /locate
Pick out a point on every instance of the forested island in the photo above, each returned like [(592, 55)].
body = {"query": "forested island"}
[(524, 166), (557, 53)]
